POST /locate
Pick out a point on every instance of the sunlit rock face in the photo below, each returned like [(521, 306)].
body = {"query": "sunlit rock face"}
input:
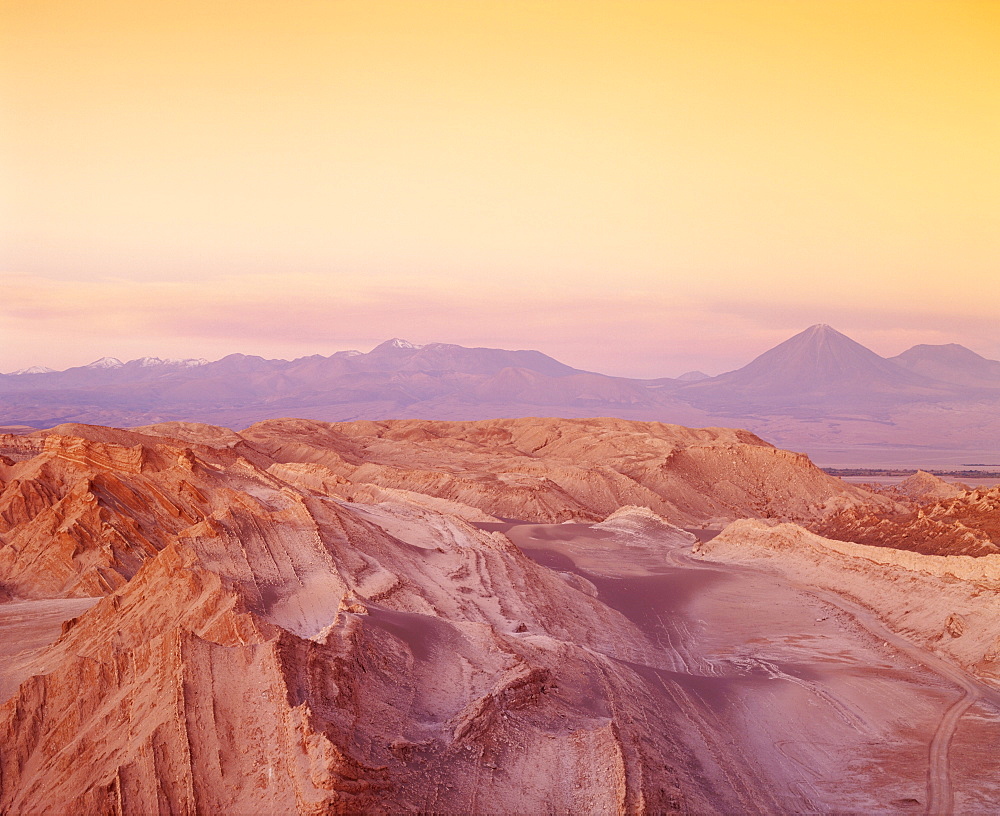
[(557, 470), (310, 617), (943, 520)]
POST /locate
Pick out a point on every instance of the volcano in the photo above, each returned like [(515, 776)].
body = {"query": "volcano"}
[(818, 367)]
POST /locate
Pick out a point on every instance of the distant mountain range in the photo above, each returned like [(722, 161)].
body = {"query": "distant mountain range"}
[(818, 390)]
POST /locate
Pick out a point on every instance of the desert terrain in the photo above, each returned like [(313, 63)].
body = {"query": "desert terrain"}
[(498, 616), (487, 408)]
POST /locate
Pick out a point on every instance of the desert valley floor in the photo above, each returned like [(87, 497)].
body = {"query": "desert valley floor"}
[(504, 616)]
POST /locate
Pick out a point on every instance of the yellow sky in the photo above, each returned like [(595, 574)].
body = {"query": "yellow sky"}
[(691, 178)]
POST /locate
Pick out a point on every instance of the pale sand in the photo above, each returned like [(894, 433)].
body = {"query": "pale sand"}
[(786, 689)]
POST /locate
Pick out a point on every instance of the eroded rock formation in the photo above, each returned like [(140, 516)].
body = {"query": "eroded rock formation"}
[(963, 522), (307, 617), (301, 618)]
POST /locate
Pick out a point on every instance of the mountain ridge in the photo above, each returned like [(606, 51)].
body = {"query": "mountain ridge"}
[(819, 362), (818, 389), (815, 337), (950, 362)]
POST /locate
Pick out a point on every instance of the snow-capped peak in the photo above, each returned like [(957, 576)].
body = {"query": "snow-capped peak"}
[(403, 344), (106, 362), (188, 362), (33, 370)]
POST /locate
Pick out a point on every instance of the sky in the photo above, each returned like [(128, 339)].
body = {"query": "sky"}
[(638, 188)]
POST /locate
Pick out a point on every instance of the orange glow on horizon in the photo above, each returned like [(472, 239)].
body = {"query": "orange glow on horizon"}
[(660, 169)]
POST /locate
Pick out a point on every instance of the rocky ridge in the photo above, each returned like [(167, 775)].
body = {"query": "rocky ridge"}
[(311, 617), (554, 470), (944, 520), (291, 619)]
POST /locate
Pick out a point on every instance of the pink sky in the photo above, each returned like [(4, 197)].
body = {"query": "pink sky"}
[(636, 188), (627, 334)]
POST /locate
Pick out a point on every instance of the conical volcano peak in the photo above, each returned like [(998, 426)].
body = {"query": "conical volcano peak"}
[(820, 330), (820, 351), (819, 342), (819, 365)]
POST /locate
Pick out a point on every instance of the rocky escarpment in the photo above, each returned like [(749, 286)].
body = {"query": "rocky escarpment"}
[(276, 649), (549, 470), (83, 511), (963, 523), (81, 507), (304, 617)]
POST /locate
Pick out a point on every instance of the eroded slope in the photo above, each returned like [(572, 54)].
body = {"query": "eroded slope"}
[(304, 617), (262, 645)]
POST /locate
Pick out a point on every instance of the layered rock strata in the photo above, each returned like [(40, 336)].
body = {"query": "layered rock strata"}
[(310, 617)]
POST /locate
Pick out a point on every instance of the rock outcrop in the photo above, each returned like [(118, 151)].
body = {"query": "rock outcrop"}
[(964, 523), (923, 487), (263, 643), (554, 470)]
